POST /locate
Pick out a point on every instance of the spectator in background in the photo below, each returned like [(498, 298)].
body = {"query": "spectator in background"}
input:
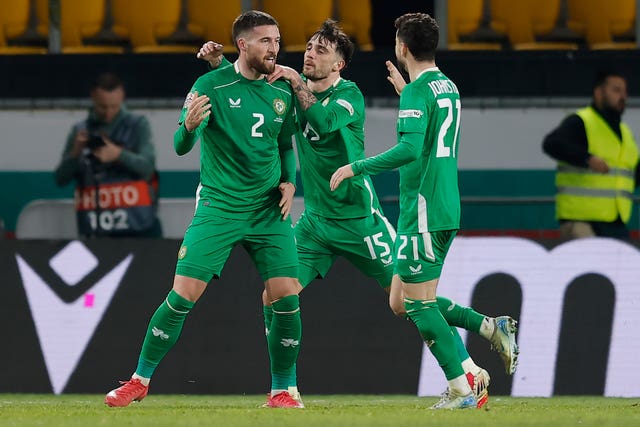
[(112, 159), (597, 164)]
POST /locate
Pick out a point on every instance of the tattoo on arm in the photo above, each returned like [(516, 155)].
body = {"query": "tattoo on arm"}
[(215, 62), (304, 95)]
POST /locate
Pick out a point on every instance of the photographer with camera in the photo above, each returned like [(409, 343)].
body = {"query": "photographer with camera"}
[(112, 159)]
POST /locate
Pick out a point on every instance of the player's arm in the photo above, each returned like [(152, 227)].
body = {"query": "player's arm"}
[(193, 119), (212, 53), (345, 107), (285, 147), (305, 97), (287, 185), (412, 125)]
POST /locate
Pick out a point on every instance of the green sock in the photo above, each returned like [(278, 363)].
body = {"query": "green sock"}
[(283, 341), (163, 332), (463, 354), (436, 333), (267, 310), (457, 315)]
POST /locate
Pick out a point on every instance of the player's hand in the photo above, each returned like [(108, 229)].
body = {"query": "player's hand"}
[(340, 175), (283, 72), (596, 164), (212, 53), (199, 109), (287, 189), (395, 78), (109, 152)]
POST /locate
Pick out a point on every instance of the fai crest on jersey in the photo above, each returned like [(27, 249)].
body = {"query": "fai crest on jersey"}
[(188, 100), (182, 252), (279, 106)]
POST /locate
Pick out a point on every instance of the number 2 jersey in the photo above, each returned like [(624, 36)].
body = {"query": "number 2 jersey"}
[(428, 129), (246, 142)]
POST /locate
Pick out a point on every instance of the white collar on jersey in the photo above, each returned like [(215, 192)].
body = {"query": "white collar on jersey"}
[(427, 70)]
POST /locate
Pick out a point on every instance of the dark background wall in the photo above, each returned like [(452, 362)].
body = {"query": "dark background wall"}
[(477, 73)]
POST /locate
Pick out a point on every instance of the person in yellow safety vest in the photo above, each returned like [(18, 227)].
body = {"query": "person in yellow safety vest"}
[(597, 164)]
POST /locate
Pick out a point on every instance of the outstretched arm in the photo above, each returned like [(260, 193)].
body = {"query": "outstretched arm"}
[(212, 53)]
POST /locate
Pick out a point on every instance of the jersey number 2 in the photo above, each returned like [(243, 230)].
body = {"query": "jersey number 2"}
[(256, 125)]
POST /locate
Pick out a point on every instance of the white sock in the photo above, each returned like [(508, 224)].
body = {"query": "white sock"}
[(144, 381), (470, 366), (275, 391), (487, 327), (460, 385)]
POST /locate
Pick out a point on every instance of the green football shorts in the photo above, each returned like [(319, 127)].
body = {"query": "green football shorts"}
[(209, 239), (367, 243), (419, 257)]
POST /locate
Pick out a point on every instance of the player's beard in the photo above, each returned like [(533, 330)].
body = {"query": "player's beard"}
[(313, 74), (263, 65)]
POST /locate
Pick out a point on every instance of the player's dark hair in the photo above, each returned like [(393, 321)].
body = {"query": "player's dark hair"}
[(602, 76), (107, 81), (249, 20), (332, 33), (420, 32)]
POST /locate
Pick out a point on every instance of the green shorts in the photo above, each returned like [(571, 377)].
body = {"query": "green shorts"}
[(419, 257), (367, 243), (209, 239)]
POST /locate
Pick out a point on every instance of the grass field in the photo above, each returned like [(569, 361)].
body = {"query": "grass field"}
[(180, 410)]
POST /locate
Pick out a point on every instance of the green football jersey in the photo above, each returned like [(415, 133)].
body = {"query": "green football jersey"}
[(333, 135), (246, 142), (428, 130)]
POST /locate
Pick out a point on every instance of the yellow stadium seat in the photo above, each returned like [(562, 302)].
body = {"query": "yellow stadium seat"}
[(14, 21), (355, 19), (148, 23), (298, 21), (523, 20), (212, 20), (602, 22), (465, 18), (82, 19)]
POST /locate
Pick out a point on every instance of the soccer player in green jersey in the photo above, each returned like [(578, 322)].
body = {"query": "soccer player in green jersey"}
[(348, 222), (247, 176), (428, 130)]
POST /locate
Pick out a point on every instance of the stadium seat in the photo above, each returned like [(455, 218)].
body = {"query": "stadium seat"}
[(298, 21), (464, 19), (354, 17), (47, 219), (148, 23), (213, 20), (14, 21), (80, 20), (602, 23), (522, 21), (56, 218)]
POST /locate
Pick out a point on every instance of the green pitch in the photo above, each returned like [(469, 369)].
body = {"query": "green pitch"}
[(321, 411)]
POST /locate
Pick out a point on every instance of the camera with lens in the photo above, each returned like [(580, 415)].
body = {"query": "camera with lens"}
[(95, 141)]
